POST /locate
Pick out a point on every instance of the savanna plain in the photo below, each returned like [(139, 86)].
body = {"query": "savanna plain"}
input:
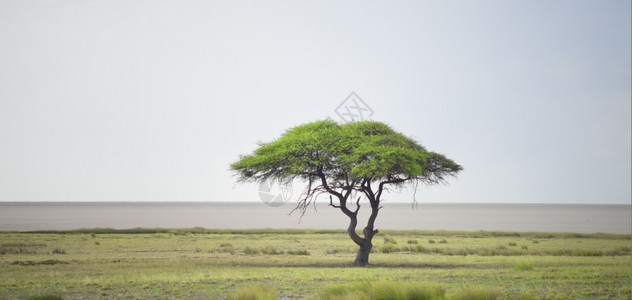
[(311, 264)]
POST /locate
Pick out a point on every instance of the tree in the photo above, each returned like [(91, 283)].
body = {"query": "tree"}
[(344, 161)]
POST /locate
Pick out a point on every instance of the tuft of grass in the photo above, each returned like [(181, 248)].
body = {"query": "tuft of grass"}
[(35, 263), (45, 297), (271, 251), (513, 244), (254, 293), (384, 290), (298, 252), (525, 295), (21, 248), (443, 241), (388, 248), (251, 251), (59, 251), (590, 253), (390, 240), (397, 290), (337, 250), (414, 249), (523, 266), (478, 293), (411, 242)]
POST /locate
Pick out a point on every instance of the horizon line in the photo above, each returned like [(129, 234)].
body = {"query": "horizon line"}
[(289, 203)]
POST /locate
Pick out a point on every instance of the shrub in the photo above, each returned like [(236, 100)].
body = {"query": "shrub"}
[(410, 242), (431, 241), (443, 241), (512, 244)]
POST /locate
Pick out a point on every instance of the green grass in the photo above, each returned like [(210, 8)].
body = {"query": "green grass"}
[(523, 265), (384, 290), (315, 264), (254, 293)]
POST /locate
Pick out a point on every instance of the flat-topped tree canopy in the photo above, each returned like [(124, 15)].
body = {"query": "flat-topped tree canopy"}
[(345, 153), (339, 159)]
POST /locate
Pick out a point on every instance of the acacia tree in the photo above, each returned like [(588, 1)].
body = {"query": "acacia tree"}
[(343, 161)]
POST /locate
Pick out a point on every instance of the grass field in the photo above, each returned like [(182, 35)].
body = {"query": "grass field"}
[(203, 264)]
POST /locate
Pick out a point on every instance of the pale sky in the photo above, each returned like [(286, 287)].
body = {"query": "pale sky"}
[(152, 100)]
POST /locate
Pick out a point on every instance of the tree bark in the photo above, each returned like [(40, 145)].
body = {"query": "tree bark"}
[(365, 244), (362, 258)]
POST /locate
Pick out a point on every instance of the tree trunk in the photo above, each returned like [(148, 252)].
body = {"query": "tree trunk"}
[(362, 259)]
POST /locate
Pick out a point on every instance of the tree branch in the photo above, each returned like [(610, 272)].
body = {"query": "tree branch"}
[(331, 202), (357, 206)]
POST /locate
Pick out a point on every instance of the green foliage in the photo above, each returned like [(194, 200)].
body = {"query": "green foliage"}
[(362, 150)]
